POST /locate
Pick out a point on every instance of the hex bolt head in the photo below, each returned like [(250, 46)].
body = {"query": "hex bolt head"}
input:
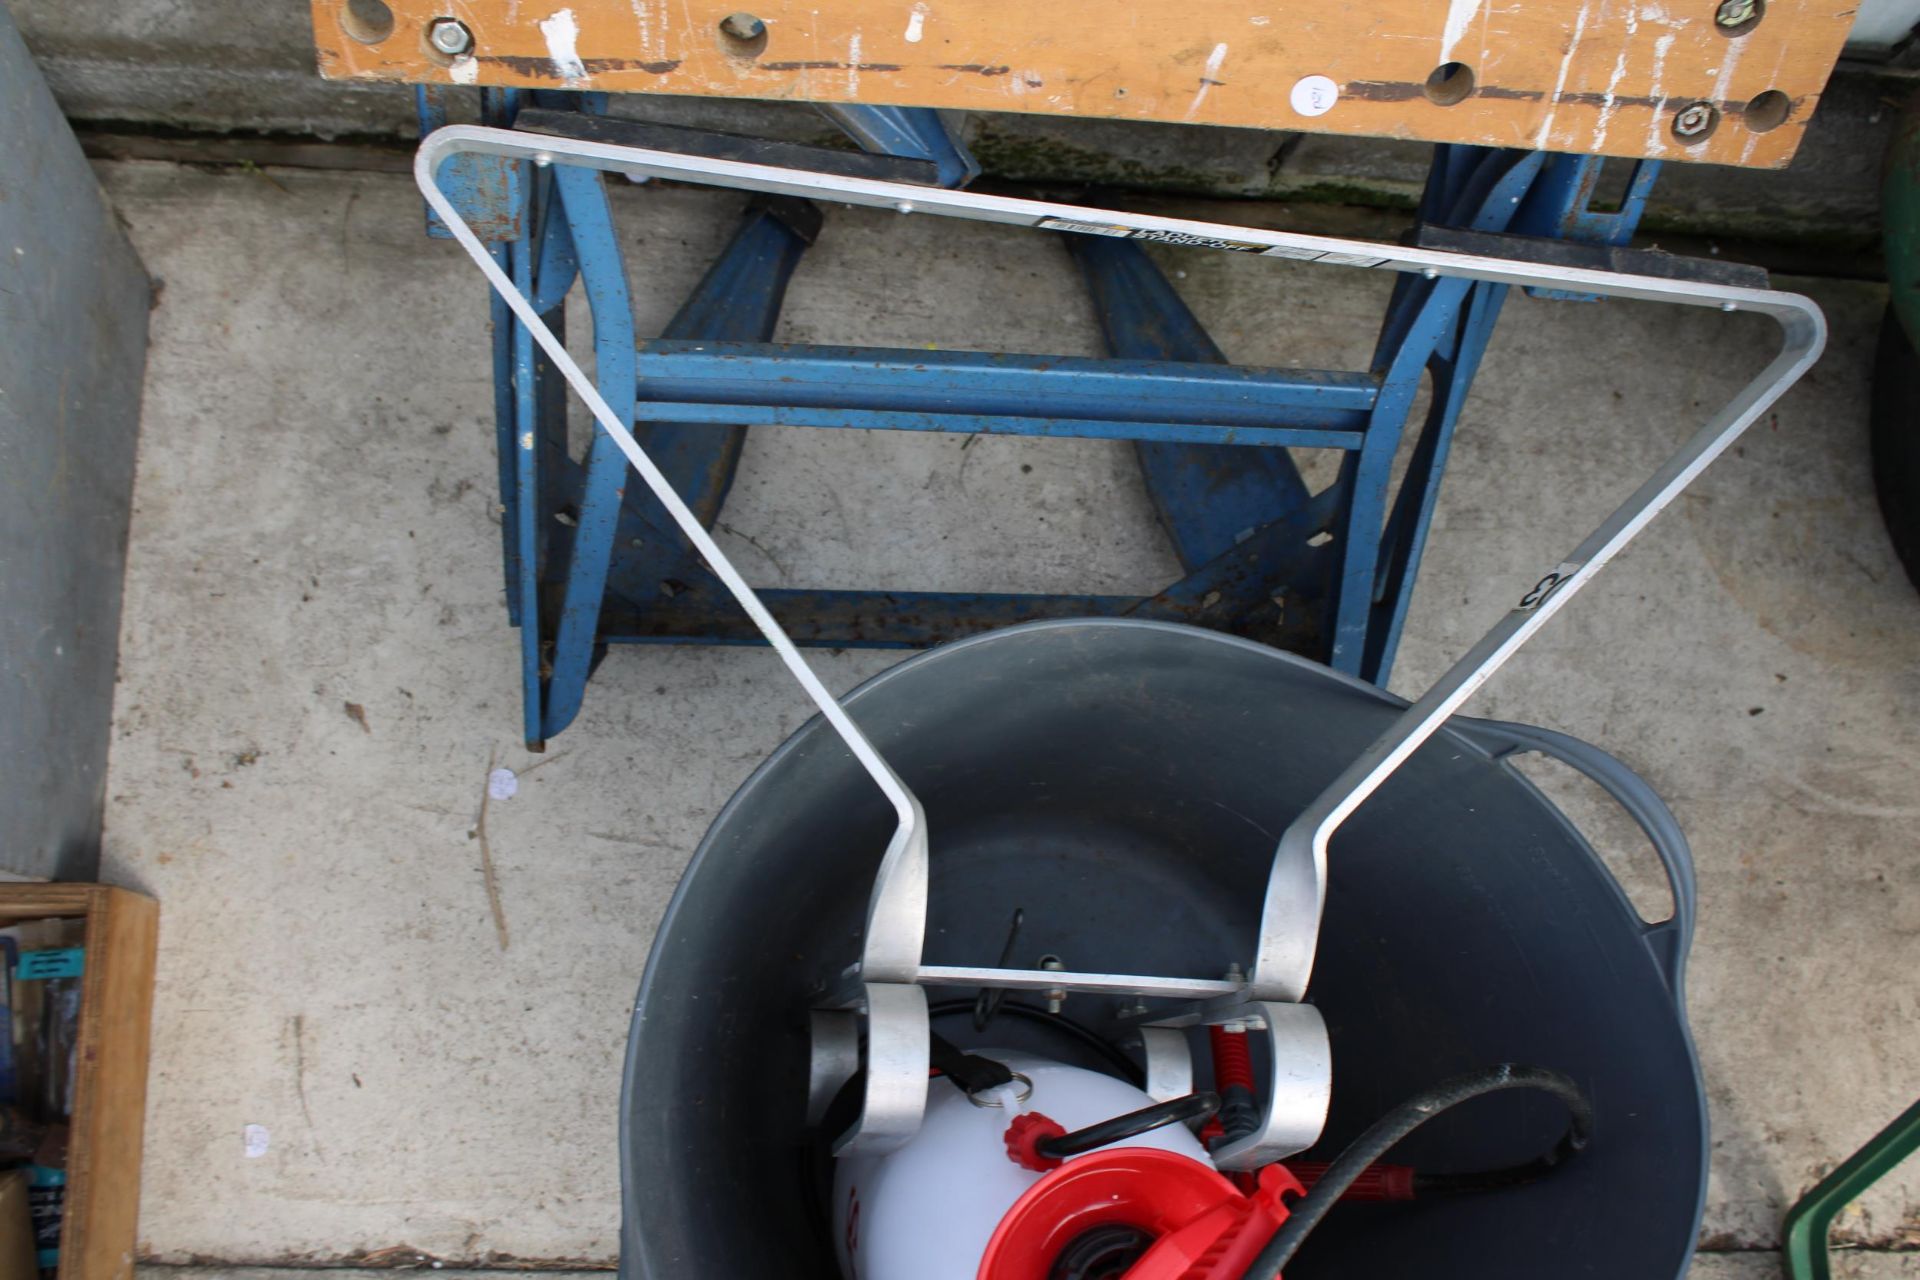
[(1733, 13), (450, 36), (742, 26), (1695, 121)]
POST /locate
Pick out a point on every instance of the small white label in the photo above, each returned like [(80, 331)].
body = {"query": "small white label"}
[(1314, 95), (1159, 235), (502, 784), (1298, 255), (1351, 259), (1084, 228), (1322, 255), (255, 1140)]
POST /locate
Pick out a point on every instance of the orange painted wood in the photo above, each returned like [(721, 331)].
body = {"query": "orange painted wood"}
[(1597, 76)]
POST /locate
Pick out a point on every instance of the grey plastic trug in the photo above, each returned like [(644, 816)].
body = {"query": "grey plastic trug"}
[(1123, 785), (73, 340)]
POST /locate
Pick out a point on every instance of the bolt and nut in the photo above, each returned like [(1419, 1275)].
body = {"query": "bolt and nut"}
[(1735, 13), (742, 27), (1696, 120), (450, 36), (1056, 996)]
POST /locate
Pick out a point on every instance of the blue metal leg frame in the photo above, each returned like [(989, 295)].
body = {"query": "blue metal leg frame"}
[(1329, 574)]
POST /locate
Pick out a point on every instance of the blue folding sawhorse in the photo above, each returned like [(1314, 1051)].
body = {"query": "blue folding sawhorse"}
[(591, 562)]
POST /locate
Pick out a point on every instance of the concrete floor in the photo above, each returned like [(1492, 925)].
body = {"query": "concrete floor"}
[(317, 675)]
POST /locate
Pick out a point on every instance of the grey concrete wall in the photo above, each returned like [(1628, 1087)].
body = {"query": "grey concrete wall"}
[(219, 65), (73, 335)]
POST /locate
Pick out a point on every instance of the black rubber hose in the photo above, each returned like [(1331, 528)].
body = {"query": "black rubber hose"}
[(1403, 1120), (1195, 1106), (1461, 1184), (1128, 1069)]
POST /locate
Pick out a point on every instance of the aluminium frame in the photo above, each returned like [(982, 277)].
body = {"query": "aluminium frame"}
[(886, 985)]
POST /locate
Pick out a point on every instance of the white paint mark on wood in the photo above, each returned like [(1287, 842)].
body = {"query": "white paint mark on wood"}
[(1725, 78), (1209, 75), (1657, 126), (916, 23), (1610, 101), (1259, 20), (1460, 16), (644, 21), (562, 33), (1560, 83), (853, 65), (465, 70)]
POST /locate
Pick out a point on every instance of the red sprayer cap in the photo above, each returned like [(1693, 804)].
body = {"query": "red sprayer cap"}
[(1200, 1224)]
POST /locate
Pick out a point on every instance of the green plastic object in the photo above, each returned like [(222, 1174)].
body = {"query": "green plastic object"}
[(1804, 1250)]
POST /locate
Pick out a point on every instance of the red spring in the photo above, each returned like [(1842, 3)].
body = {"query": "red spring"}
[(1232, 1064), (1379, 1181)]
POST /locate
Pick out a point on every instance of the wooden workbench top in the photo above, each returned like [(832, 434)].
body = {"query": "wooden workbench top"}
[(1725, 81)]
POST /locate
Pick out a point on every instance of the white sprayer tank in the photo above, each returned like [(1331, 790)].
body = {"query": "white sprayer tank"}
[(926, 1211)]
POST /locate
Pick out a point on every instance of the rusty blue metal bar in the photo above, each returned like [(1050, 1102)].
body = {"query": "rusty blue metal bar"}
[(986, 391)]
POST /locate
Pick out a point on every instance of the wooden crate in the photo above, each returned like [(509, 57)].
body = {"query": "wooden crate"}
[(1605, 77), (110, 1094)]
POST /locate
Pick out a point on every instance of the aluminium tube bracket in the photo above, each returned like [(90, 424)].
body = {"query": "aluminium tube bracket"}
[(891, 961)]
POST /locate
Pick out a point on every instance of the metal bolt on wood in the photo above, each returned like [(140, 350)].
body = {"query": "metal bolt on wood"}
[(450, 36), (1695, 121)]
